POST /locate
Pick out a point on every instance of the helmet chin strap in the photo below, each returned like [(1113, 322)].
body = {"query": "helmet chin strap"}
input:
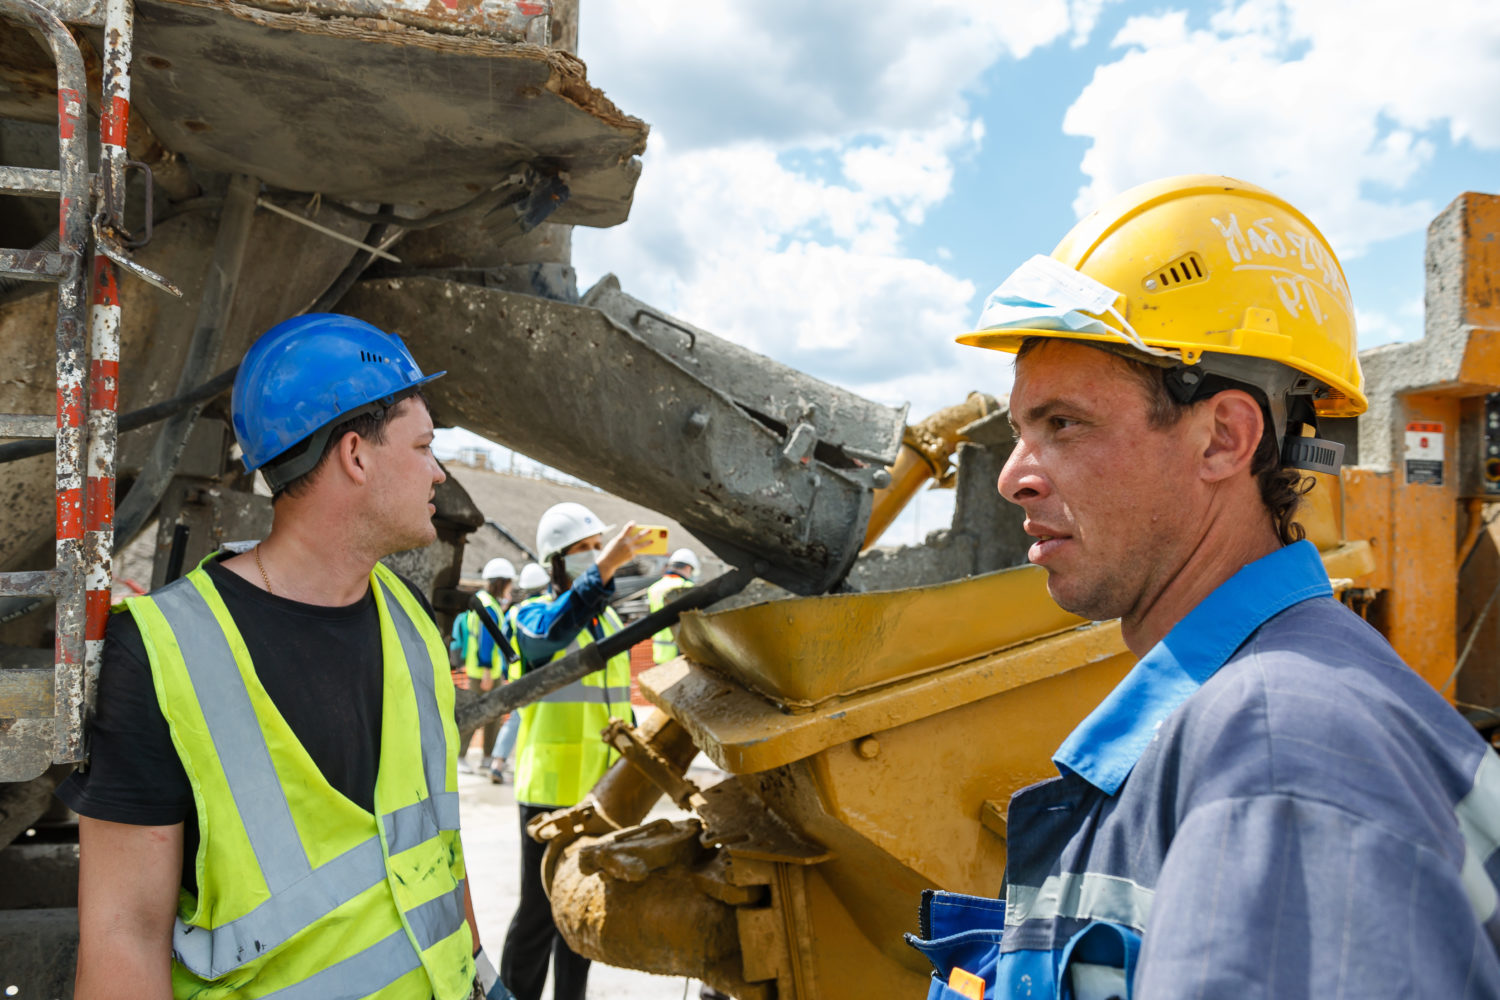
[(1285, 395), (302, 458)]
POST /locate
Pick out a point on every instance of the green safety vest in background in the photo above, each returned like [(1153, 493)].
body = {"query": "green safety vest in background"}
[(474, 627), (303, 895), (663, 644), (559, 753)]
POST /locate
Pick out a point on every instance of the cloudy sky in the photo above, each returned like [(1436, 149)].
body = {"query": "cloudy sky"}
[(839, 184)]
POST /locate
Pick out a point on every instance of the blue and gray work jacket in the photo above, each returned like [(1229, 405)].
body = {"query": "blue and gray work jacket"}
[(545, 628), (1270, 804)]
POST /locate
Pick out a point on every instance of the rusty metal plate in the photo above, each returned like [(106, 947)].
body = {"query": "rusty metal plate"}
[(368, 109)]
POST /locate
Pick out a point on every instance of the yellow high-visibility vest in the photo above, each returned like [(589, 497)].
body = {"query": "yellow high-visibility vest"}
[(559, 754), (303, 895), (474, 628), (663, 643)]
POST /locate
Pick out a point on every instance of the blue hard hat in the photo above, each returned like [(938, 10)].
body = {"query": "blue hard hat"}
[(306, 374)]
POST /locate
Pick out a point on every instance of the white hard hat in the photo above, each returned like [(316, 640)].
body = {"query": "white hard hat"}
[(686, 557), (499, 569), (533, 577), (564, 524)]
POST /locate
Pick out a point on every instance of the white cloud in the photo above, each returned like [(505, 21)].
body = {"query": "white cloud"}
[(1379, 328), (1327, 102), (911, 170), (791, 72), (794, 146), (1085, 15), (804, 270)]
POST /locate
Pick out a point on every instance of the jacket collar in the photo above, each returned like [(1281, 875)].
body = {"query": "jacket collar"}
[(1106, 745)]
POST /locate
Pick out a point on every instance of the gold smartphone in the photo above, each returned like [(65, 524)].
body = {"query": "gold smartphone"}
[(657, 542)]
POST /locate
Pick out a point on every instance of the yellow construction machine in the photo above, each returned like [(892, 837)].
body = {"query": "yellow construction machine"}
[(221, 165)]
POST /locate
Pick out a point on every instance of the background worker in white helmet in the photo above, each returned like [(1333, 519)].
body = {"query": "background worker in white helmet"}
[(559, 753), (681, 567), (532, 582), (1270, 804), (484, 661)]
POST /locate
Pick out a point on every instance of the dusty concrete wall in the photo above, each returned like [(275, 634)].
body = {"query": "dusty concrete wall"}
[(1434, 360)]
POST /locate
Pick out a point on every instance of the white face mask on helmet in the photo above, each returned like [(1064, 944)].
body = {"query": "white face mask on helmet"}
[(1046, 294)]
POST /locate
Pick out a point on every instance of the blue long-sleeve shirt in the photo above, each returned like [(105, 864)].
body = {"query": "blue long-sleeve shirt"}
[(487, 642), (1271, 804), (545, 627)]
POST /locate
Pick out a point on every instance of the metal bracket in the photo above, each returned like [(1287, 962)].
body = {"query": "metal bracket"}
[(667, 321), (128, 238), (107, 245), (800, 443), (657, 769), (733, 815)]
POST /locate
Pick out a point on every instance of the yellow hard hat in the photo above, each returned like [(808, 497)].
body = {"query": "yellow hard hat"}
[(1213, 266)]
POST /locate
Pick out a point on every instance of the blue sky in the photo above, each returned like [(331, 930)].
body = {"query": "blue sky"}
[(839, 184)]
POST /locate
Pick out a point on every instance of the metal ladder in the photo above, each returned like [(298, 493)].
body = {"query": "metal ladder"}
[(91, 213)]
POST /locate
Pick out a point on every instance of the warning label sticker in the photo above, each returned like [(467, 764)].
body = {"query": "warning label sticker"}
[(1424, 453)]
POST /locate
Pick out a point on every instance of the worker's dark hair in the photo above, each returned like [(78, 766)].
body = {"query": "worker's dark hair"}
[(559, 573), (1281, 489), (370, 426)]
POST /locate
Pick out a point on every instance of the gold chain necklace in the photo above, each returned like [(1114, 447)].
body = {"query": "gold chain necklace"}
[(262, 567)]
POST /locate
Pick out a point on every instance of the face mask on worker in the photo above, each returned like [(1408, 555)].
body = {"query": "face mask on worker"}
[(578, 563), (1046, 294)]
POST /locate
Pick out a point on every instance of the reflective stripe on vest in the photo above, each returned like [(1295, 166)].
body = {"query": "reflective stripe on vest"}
[(578, 691), (358, 975), (300, 895), (559, 755), (663, 643)]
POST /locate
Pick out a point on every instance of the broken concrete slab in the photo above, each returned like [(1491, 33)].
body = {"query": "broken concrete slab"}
[(371, 109)]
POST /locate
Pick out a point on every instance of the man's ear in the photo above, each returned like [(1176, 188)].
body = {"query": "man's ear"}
[(1235, 425), (350, 457)]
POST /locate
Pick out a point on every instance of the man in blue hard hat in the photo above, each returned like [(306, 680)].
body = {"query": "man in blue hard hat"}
[(272, 802)]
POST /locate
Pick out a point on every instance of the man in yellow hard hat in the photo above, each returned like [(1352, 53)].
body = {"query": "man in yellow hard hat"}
[(1270, 803)]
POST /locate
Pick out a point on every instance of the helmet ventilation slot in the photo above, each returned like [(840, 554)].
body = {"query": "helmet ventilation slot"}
[(1185, 270), (369, 357)]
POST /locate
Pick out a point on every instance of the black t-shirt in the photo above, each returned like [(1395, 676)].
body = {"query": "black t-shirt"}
[(321, 666)]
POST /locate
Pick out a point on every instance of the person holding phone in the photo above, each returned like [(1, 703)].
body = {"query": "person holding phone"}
[(559, 755)]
